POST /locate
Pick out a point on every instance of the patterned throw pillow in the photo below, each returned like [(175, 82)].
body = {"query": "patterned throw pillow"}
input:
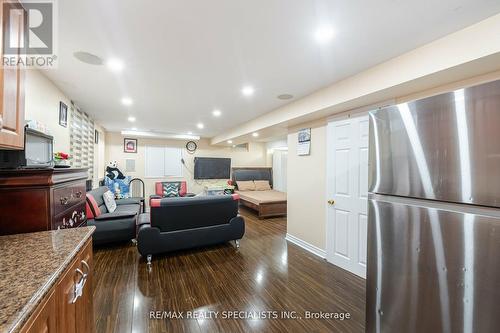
[(109, 201), (170, 190)]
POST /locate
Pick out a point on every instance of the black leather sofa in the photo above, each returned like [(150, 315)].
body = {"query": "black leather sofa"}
[(121, 225), (183, 223)]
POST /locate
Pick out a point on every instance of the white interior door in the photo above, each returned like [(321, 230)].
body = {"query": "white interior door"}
[(347, 193)]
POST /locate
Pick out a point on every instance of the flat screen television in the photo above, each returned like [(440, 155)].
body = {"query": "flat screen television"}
[(212, 168)]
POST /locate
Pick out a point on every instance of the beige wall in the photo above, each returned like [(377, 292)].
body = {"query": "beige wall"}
[(306, 187), (255, 156), (42, 104)]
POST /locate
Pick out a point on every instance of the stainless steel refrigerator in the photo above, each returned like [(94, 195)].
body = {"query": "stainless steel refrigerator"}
[(434, 214)]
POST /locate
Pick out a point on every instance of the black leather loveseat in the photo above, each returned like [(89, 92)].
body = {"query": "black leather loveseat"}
[(182, 223), (121, 225)]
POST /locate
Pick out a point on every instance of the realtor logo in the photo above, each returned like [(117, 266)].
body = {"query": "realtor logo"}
[(29, 33)]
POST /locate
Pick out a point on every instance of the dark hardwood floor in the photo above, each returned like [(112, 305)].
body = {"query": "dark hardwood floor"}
[(265, 274)]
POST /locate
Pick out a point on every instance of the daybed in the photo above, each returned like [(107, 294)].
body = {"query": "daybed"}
[(266, 203)]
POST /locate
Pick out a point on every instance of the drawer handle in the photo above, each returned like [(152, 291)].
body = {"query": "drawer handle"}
[(78, 288), (79, 271), (87, 269), (64, 201)]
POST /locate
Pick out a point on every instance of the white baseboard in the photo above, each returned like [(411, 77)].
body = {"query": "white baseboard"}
[(306, 246)]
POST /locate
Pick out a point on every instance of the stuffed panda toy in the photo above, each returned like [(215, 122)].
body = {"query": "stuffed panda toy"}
[(112, 171)]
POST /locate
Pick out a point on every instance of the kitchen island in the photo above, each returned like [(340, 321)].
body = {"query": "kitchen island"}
[(46, 281)]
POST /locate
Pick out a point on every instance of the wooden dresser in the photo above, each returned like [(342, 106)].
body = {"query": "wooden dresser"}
[(41, 199)]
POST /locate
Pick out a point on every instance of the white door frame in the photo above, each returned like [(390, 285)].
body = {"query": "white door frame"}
[(330, 190)]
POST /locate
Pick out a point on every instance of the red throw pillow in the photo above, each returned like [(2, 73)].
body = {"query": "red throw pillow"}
[(91, 208), (183, 189)]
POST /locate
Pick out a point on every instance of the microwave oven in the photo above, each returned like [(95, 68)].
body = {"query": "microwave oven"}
[(37, 152)]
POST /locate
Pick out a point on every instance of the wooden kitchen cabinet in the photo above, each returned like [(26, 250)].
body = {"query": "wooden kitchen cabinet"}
[(12, 88), (44, 319), (65, 311), (76, 312), (84, 322)]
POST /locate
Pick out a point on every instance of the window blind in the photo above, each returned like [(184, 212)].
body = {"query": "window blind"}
[(82, 140)]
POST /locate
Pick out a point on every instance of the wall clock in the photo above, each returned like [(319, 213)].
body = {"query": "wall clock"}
[(191, 146)]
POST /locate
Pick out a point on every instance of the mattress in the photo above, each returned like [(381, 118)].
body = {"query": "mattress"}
[(262, 197)]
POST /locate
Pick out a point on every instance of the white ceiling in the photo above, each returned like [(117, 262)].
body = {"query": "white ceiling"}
[(186, 57)]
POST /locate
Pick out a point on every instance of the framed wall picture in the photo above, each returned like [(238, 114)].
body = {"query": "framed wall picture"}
[(130, 145), (63, 114)]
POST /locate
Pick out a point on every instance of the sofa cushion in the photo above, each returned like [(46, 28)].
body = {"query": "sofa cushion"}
[(109, 201), (97, 193), (115, 216), (115, 230), (91, 207), (144, 219), (193, 212), (170, 190), (128, 208), (129, 201)]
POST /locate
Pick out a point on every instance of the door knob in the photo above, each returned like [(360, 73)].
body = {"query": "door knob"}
[(331, 202)]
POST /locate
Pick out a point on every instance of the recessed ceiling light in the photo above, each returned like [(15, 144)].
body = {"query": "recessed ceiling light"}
[(247, 91), (324, 34), (131, 119), (116, 65), (255, 134), (200, 125), (229, 141), (216, 113), (127, 101), (285, 96), (88, 58)]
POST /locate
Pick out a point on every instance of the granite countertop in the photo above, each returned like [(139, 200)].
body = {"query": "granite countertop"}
[(30, 264)]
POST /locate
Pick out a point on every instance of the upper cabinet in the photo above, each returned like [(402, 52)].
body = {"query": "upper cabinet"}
[(11, 86)]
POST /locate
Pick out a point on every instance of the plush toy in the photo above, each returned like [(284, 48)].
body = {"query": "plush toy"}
[(112, 171)]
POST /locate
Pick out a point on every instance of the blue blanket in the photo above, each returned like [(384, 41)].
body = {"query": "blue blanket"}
[(120, 187)]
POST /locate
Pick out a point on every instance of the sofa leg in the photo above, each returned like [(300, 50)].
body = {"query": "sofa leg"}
[(237, 243), (134, 241), (149, 259)]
